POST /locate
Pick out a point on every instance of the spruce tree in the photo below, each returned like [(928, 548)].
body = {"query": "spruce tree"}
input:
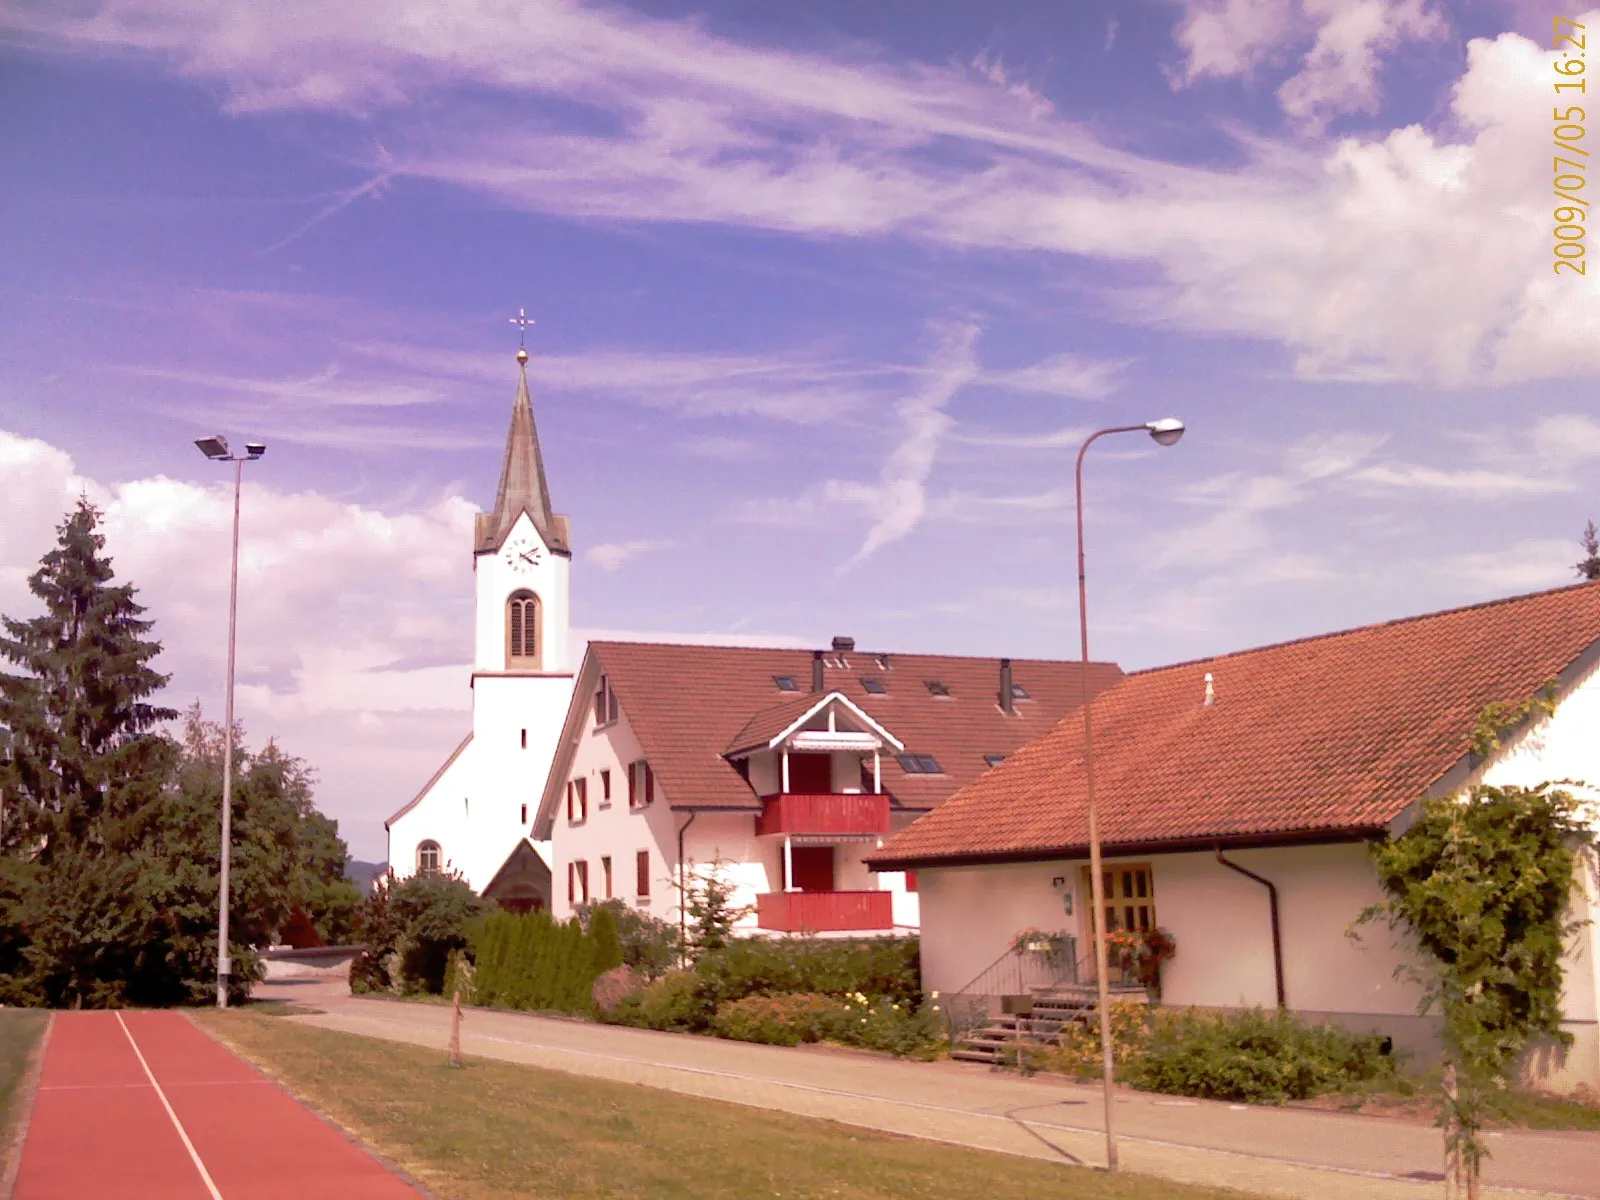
[(1589, 566), (83, 761)]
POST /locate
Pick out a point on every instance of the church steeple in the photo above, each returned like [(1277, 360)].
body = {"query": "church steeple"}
[(522, 483)]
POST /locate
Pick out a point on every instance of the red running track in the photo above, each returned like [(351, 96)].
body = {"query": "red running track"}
[(145, 1106)]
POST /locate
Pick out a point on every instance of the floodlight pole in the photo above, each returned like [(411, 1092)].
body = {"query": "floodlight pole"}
[(1165, 432), (216, 449), (224, 966)]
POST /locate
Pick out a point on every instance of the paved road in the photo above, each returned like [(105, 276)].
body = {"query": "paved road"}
[(144, 1106), (1288, 1152)]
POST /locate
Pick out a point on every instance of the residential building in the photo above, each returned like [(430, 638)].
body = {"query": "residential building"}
[(781, 768), (1237, 797)]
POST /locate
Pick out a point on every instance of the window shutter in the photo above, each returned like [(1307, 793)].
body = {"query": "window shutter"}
[(611, 703), (569, 801), (642, 884), (649, 785), (633, 785), (572, 882), (911, 881)]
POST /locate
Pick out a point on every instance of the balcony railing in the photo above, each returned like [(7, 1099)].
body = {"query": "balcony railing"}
[(821, 912), (824, 813)]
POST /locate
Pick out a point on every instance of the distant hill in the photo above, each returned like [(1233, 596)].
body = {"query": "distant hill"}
[(361, 873)]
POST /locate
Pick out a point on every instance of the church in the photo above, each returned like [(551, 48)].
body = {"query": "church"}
[(473, 817)]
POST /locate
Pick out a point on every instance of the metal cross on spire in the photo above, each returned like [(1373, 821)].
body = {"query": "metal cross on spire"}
[(522, 320)]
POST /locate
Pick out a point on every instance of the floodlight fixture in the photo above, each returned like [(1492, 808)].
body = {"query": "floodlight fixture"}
[(256, 449), (215, 446)]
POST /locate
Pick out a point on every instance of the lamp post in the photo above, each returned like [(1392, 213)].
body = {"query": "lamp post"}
[(216, 449), (1165, 432)]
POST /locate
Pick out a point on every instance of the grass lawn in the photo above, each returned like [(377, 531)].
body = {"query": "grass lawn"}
[(492, 1129), (20, 1031)]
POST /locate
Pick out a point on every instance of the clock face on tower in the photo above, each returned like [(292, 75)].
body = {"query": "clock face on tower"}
[(522, 554)]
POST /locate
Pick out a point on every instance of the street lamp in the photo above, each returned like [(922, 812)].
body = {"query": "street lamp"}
[(216, 449), (1165, 432)]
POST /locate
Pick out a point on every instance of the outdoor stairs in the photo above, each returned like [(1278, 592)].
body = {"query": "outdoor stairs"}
[(1053, 1009)]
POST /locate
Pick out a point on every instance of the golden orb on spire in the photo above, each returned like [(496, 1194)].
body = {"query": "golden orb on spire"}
[(522, 356)]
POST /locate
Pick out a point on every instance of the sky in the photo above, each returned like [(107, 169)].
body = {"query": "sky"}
[(826, 298)]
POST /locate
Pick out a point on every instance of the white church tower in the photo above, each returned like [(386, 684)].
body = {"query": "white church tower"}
[(475, 814)]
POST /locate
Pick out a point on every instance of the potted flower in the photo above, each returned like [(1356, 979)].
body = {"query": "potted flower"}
[(1139, 953), (1037, 941)]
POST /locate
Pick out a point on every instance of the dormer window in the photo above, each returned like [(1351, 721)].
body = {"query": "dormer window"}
[(919, 764), (936, 688), (522, 630)]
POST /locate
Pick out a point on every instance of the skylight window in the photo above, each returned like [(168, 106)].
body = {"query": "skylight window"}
[(935, 688), (1018, 692), (785, 683), (919, 764), (994, 760), (875, 686)]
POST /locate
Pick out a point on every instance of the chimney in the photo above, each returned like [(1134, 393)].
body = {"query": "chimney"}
[(842, 645), (816, 670), (1211, 690), (1007, 703)]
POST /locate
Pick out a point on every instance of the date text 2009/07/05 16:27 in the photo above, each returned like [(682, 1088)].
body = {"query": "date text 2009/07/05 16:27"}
[(1571, 174)]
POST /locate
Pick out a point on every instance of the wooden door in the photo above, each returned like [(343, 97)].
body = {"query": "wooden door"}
[(813, 868), (1130, 903), (811, 774)]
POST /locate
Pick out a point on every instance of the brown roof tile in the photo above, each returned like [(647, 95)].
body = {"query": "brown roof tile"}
[(686, 704), (1332, 733)]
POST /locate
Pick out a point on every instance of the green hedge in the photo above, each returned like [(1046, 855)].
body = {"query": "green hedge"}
[(533, 962)]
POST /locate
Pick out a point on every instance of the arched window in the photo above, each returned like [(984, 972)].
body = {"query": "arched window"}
[(428, 858), (522, 630)]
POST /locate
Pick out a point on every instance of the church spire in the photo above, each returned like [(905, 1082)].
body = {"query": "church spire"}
[(522, 483)]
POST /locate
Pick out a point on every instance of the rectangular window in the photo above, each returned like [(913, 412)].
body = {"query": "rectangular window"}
[(605, 785), (524, 739), (524, 814), (642, 884), (577, 801), (583, 882), (641, 785), (605, 871), (605, 702)]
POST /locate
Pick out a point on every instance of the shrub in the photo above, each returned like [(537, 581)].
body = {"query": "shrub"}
[(367, 974), (902, 1028), (1254, 1057), (531, 962), (673, 1002), (649, 945), (1076, 1049), (602, 927), (411, 925), (779, 1020), (874, 967)]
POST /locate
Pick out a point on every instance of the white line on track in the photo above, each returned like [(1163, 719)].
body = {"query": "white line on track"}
[(176, 1124)]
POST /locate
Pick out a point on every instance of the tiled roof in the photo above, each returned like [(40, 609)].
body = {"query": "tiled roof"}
[(686, 704), (1337, 733), (770, 722)]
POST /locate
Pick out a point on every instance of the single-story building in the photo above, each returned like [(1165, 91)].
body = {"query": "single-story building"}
[(1237, 796)]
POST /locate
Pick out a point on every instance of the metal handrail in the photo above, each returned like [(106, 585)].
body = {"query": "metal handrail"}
[(1015, 972)]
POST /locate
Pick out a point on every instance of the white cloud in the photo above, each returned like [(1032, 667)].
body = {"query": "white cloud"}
[(1525, 567), (1340, 71), (1471, 482), (1346, 253), (899, 499), (1061, 375), (610, 555)]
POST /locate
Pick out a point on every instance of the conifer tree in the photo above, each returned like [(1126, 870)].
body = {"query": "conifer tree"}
[(83, 760), (1589, 566), (607, 941)]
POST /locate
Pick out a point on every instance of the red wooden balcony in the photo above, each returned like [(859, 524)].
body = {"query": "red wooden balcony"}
[(820, 912), (810, 812)]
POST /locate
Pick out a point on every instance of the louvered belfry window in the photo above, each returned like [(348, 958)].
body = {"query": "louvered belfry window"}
[(522, 628)]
